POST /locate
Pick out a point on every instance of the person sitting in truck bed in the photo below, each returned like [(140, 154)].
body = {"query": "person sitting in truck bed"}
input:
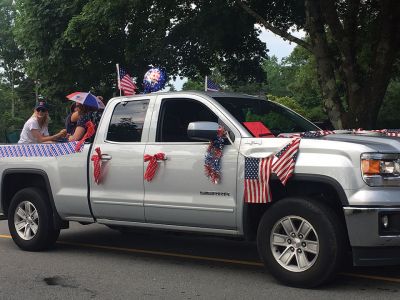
[(71, 119), (36, 129), (83, 117)]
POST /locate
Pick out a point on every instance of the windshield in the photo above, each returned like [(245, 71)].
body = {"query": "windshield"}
[(271, 117)]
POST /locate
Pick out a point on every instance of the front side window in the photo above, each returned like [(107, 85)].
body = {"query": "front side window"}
[(126, 123), (175, 116), (276, 118)]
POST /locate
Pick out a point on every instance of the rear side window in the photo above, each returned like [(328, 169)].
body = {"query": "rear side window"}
[(126, 123)]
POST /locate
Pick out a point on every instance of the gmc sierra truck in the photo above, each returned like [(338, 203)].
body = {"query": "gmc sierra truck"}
[(344, 196)]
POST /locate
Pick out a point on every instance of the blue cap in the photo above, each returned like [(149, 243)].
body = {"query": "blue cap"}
[(41, 104)]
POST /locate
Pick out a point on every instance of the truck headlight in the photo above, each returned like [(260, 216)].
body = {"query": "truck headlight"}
[(381, 169)]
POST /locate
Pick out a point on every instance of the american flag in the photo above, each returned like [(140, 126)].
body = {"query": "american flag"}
[(313, 134), (257, 172), (285, 160), (212, 86), (126, 83), (307, 134)]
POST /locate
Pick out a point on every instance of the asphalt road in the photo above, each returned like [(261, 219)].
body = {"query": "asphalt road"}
[(95, 262)]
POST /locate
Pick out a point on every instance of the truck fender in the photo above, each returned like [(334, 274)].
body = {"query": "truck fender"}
[(6, 196)]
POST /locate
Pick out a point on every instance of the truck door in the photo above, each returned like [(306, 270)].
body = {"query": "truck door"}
[(121, 139), (180, 193)]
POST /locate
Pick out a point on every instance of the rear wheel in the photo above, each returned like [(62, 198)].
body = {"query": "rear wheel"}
[(301, 242), (30, 220)]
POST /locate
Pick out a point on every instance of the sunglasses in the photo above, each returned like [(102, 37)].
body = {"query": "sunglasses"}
[(41, 110)]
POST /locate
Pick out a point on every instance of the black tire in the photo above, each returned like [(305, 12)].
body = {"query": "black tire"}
[(327, 232), (46, 234)]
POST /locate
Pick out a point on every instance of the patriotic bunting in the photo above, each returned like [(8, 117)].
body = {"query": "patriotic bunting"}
[(39, 150), (212, 159)]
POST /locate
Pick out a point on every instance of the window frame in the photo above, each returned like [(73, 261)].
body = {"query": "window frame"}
[(161, 117), (235, 131), (145, 120)]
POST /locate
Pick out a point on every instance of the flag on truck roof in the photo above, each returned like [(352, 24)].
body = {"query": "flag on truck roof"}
[(125, 82), (211, 86)]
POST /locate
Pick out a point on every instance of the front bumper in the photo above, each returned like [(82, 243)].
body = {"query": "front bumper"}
[(373, 243)]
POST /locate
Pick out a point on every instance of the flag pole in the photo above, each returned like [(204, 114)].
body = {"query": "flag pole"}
[(119, 83), (205, 84)]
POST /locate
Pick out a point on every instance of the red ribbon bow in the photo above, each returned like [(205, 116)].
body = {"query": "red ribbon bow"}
[(153, 165), (90, 130), (96, 159)]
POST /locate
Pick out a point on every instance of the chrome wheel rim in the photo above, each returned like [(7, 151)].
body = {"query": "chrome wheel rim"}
[(294, 243), (26, 220)]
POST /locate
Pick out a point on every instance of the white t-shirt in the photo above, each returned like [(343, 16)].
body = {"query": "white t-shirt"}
[(26, 133)]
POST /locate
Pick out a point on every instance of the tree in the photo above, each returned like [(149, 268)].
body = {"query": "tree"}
[(10, 55), (76, 44), (355, 44)]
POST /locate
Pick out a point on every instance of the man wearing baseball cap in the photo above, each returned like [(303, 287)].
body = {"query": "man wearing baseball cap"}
[(36, 128)]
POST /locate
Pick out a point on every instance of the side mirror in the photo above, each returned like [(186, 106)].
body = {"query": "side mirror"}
[(202, 131)]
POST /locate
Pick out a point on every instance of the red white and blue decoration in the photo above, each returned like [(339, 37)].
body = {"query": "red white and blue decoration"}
[(153, 164), (96, 159), (359, 131), (257, 172), (307, 134), (39, 150), (212, 160), (389, 132), (211, 86), (285, 160), (154, 80), (47, 150), (125, 82), (87, 99)]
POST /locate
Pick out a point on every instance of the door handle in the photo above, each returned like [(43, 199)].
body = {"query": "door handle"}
[(106, 157)]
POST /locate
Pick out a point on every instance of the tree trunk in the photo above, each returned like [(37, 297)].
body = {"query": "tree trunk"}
[(325, 65), (337, 61), (365, 90), (12, 95)]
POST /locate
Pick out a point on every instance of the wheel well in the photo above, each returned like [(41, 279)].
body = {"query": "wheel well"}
[(15, 181), (322, 191)]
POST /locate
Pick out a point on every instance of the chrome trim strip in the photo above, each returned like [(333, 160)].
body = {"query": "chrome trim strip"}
[(79, 219), (170, 227), (353, 210), (229, 210), (379, 156), (118, 203)]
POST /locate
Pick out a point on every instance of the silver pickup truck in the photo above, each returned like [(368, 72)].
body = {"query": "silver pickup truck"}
[(344, 195)]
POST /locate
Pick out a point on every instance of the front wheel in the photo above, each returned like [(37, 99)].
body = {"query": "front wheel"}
[(301, 242), (30, 220)]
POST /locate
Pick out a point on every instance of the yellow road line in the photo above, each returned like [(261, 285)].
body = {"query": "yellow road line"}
[(232, 261), (381, 278), (205, 258)]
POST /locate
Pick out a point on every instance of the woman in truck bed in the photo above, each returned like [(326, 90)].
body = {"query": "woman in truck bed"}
[(36, 128)]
